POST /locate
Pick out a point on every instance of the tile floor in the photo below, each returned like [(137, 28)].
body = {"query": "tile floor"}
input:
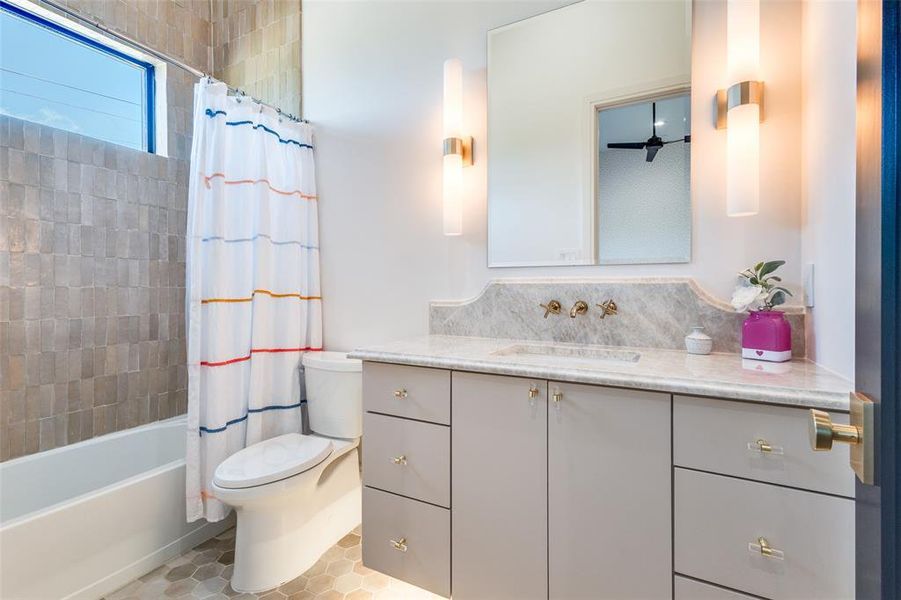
[(204, 572)]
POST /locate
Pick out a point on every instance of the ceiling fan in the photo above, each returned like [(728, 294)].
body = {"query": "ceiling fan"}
[(653, 144)]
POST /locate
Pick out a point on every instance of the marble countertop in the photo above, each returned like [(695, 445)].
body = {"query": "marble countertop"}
[(795, 383)]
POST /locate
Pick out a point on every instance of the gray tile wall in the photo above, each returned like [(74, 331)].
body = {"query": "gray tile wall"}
[(92, 259)]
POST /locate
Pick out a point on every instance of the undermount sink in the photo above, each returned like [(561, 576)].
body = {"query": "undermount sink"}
[(580, 353)]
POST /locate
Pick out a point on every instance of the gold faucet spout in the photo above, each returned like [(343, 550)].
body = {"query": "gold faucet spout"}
[(579, 308)]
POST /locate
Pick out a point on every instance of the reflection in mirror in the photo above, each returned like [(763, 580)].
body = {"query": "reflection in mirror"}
[(643, 181), (547, 76)]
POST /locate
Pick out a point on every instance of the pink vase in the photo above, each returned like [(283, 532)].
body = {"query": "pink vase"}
[(766, 335)]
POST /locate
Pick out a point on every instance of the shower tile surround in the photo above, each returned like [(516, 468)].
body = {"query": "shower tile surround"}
[(92, 258), (652, 313), (92, 246)]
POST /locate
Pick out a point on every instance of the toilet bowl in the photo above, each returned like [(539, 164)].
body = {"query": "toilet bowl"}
[(296, 495)]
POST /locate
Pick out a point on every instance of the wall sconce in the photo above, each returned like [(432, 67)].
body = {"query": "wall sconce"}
[(739, 109), (457, 148)]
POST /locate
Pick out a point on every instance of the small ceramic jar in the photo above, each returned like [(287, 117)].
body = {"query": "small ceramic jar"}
[(698, 342)]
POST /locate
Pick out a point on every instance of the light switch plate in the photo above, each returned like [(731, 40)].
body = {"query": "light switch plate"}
[(808, 285)]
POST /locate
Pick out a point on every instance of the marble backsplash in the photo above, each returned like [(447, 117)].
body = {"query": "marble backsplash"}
[(652, 313)]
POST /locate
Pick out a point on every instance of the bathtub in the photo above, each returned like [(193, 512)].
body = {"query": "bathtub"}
[(83, 520)]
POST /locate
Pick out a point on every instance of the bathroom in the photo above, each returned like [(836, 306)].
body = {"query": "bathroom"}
[(462, 359)]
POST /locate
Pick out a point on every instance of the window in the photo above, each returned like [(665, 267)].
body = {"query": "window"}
[(54, 75)]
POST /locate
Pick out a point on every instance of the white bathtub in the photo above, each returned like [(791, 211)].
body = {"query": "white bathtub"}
[(83, 520)]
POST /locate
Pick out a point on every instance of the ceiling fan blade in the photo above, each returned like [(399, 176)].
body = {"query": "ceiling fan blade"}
[(686, 139), (627, 145), (652, 152)]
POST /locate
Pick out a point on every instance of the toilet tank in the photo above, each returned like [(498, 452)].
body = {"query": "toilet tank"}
[(334, 394)]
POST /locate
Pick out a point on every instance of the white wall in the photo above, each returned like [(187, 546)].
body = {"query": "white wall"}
[(829, 60), (372, 87)]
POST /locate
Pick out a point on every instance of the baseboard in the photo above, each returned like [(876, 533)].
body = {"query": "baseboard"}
[(144, 565)]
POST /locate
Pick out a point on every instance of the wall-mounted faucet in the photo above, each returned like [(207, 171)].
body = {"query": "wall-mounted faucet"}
[(551, 308), (579, 308), (608, 307)]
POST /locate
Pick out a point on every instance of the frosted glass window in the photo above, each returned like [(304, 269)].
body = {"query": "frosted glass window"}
[(644, 206)]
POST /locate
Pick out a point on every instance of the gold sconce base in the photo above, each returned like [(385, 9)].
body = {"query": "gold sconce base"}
[(461, 146), (744, 92)]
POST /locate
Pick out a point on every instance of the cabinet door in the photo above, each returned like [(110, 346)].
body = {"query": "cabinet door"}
[(499, 487), (609, 493)]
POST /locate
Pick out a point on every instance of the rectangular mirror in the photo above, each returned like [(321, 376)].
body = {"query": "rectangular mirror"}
[(562, 86)]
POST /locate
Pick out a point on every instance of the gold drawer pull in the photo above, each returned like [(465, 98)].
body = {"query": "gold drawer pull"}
[(764, 447), (533, 392), (557, 397), (763, 548), (399, 460), (400, 544), (400, 394)]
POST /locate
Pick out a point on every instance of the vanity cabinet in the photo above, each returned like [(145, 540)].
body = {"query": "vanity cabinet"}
[(499, 499), (494, 486), (609, 493)]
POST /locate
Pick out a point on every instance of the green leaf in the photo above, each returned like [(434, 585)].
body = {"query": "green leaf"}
[(782, 289), (770, 266), (758, 266), (777, 299), (774, 278)]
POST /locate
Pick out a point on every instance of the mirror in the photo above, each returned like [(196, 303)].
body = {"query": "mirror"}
[(563, 85)]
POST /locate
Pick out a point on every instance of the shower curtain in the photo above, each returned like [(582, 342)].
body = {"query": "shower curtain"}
[(253, 303)]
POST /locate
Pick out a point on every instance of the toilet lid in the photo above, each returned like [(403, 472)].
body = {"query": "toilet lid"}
[(271, 460)]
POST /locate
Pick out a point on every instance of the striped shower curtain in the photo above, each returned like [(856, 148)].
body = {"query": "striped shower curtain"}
[(253, 304)]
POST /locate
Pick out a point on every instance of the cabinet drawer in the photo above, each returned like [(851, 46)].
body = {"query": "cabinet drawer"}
[(717, 518), (406, 457), (424, 561), (403, 391), (689, 589), (721, 437)]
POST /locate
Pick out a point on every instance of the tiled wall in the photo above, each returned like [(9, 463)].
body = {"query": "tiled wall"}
[(256, 47), (92, 258)]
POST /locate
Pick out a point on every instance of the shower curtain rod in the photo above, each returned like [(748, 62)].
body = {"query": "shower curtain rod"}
[(98, 26)]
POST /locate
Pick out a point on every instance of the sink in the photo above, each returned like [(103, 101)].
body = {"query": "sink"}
[(580, 353)]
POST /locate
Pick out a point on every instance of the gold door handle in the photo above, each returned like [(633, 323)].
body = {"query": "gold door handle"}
[(823, 432), (533, 392), (400, 394), (557, 397), (399, 460), (400, 544)]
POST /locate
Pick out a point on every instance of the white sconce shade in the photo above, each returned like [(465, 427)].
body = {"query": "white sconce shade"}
[(457, 149), (743, 132)]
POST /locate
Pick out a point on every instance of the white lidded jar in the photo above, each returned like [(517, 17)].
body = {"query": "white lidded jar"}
[(334, 386), (698, 342)]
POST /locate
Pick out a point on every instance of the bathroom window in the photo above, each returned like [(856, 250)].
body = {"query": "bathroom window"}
[(57, 73)]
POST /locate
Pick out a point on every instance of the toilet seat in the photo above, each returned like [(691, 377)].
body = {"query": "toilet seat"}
[(272, 460)]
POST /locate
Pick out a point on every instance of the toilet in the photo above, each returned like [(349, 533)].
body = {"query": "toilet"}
[(296, 495)]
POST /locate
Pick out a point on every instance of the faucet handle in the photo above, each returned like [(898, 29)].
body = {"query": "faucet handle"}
[(552, 307), (608, 307)]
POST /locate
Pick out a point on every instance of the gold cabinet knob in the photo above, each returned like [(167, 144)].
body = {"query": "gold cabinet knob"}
[(551, 308), (400, 394), (399, 460), (823, 432), (533, 392), (557, 396), (400, 545), (764, 446)]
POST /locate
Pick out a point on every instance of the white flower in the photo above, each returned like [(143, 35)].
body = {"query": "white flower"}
[(746, 295)]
